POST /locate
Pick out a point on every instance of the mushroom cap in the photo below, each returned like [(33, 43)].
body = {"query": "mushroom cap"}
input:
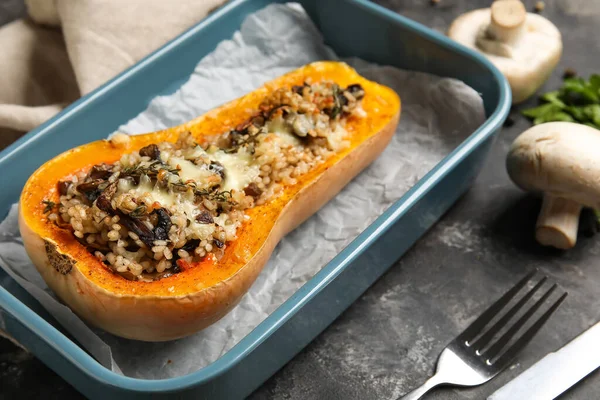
[(561, 159)]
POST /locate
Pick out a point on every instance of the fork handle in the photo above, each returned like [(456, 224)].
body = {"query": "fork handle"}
[(424, 388)]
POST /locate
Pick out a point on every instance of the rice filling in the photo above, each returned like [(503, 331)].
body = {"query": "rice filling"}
[(158, 210)]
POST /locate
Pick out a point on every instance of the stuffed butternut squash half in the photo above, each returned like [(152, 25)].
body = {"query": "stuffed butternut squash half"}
[(156, 236)]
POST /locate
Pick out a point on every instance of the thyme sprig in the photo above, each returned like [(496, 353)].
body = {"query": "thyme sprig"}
[(139, 212), (151, 169), (49, 206), (214, 194)]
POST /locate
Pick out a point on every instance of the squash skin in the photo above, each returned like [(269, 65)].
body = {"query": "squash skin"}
[(191, 300)]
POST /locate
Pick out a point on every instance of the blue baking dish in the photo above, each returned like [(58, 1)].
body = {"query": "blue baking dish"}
[(352, 28)]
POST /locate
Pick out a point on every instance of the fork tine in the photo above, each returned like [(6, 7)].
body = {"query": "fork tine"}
[(485, 338), (472, 330), (503, 341), (527, 336)]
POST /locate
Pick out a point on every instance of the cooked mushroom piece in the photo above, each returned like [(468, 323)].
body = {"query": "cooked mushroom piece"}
[(91, 190), (560, 160), (150, 151), (161, 231), (63, 187), (100, 171)]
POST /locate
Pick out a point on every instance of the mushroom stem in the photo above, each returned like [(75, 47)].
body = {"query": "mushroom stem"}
[(508, 21), (558, 222)]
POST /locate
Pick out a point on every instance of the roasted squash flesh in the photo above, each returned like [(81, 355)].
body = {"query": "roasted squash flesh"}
[(205, 290)]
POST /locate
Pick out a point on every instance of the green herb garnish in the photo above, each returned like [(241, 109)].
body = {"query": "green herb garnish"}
[(138, 212), (214, 195), (338, 102), (578, 100), (49, 206), (221, 197)]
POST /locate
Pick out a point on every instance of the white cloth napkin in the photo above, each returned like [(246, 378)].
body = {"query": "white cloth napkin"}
[(68, 48)]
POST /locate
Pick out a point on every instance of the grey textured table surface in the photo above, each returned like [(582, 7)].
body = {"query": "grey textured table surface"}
[(388, 341)]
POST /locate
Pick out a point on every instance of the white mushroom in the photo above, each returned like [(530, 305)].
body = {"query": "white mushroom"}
[(524, 46), (561, 160)]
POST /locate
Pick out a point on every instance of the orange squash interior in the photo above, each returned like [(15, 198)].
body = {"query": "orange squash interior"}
[(382, 107)]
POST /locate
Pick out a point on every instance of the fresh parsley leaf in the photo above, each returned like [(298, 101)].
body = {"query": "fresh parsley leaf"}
[(592, 112), (577, 112), (542, 111), (553, 97), (562, 116), (595, 82), (557, 116), (575, 87), (578, 100)]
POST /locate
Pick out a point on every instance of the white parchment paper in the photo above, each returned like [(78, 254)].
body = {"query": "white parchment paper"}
[(437, 114)]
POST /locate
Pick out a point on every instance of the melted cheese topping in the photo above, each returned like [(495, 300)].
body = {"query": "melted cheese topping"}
[(161, 196), (167, 199), (335, 139), (239, 170), (283, 131), (190, 171)]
